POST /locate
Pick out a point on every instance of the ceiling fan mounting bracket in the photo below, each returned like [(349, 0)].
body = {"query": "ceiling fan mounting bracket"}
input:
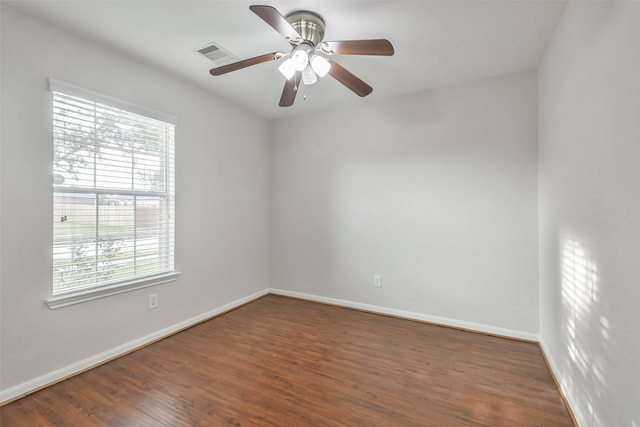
[(308, 24)]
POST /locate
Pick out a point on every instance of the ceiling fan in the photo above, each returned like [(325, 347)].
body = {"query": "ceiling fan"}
[(310, 56)]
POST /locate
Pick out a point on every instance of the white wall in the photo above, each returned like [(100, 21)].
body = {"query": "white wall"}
[(221, 213), (435, 191), (590, 210)]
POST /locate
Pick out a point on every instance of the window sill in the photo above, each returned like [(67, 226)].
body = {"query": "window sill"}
[(72, 298)]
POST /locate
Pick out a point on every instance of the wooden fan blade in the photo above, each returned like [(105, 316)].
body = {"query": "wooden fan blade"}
[(380, 47), (348, 79), (290, 90), (271, 16), (245, 63)]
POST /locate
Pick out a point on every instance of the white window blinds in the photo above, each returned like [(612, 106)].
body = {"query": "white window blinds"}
[(113, 193)]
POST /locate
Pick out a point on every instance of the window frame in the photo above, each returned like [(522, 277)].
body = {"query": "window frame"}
[(79, 294)]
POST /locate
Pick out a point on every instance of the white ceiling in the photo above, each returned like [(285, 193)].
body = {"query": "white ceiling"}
[(436, 42)]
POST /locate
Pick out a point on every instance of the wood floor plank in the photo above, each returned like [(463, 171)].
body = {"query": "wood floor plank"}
[(285, 362)]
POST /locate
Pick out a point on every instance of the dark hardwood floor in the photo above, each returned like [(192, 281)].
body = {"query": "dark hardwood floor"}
[(285, 362)]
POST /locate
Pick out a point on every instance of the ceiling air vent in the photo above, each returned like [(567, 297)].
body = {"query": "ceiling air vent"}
[(219, 55)]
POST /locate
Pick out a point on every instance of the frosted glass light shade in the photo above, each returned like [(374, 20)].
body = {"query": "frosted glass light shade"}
[(309, 76), (300, 59), (287, 68), (320, 65)]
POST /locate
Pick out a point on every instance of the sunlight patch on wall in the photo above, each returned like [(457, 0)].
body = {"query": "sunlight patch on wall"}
[(585, 374), (578, 282)]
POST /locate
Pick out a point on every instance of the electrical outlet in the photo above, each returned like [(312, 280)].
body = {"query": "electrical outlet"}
[(377, 280), (153, 301)]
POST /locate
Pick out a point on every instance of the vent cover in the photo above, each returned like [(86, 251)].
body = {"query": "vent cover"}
[(219, 55)]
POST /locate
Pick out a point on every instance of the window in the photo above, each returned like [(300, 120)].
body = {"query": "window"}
[(113, 193)]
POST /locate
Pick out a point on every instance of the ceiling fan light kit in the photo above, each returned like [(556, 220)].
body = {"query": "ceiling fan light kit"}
[(309, 64), (287, 68), (320, 65), (309, 76), (304, 30), (300, 58)]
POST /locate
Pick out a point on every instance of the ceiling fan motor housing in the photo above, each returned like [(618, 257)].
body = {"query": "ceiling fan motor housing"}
[(308, 24)]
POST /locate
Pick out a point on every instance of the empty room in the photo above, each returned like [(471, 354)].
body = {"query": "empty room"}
[(320, 213)]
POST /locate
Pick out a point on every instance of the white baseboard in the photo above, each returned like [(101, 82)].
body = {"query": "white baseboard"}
[(476, 327), (550, 360), (555, 372), (83, 365)]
